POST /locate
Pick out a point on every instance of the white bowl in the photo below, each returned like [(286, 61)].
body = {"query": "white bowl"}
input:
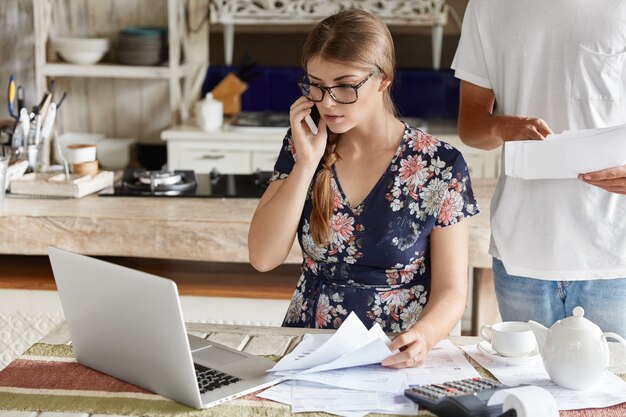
[(83, 51), (69, 138), (82, 58), (81, 44), (78, 153), (113, 153)]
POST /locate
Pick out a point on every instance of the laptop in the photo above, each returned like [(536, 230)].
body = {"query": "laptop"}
[(129, 324)]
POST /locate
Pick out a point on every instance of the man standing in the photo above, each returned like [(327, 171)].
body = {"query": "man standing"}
[(527, 69)]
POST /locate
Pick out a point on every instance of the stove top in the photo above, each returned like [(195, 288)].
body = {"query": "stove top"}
[(142, 183)]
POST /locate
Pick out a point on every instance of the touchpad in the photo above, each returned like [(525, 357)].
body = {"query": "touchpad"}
[(217, 356)]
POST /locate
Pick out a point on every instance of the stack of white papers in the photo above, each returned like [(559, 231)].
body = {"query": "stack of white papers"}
[(341, 374), (566, 155), (351, 345)]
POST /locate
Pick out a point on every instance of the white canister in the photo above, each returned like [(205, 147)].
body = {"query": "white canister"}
[(210, 113), (81, 152)]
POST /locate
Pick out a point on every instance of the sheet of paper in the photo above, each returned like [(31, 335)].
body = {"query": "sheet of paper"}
[(531, 372), (374, 352), (310, 397), (610, 391), (396, 404), (566, 155), (351, 336), (445, 362), (307, 396), (362, 378), (281, 393)]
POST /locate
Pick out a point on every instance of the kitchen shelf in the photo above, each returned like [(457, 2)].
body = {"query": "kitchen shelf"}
[(228, 13), (114, 71), (184, 75)]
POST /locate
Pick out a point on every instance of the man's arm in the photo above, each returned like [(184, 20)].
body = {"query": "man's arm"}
[(480, 128)]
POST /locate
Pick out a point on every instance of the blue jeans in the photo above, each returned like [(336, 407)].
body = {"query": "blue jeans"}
[(523, 299)]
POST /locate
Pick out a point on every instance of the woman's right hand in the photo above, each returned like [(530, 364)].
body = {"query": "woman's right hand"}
[(309, 147)]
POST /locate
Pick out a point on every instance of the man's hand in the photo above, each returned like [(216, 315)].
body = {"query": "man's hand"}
[(480, 128), (611, 179), (522, 128)]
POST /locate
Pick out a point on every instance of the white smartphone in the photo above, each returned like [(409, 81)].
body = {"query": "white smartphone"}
[(312, 120)]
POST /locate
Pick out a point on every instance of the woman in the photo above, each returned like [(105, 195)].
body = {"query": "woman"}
[(378, 206)]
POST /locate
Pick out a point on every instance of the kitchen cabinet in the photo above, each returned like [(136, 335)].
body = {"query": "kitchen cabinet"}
[(114, 99), (227, 151), (243, 152)]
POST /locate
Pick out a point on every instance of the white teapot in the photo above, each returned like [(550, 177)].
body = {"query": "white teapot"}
[(574, 350)]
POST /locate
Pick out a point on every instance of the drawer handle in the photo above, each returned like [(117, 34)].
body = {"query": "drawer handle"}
[(213, 157)]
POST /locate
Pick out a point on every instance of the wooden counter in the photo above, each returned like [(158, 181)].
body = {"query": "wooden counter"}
[(166, 228)]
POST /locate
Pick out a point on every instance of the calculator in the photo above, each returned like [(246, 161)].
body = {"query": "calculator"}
[(462, 398)]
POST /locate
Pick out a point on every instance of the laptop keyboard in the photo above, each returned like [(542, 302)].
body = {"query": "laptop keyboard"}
[(210, 379)]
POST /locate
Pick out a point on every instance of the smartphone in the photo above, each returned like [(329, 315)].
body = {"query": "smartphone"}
[(313, 119)]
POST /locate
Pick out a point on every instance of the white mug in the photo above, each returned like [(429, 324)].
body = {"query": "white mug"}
[(510, 338)]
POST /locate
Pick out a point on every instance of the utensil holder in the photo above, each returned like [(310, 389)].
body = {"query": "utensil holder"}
[(31, 153)]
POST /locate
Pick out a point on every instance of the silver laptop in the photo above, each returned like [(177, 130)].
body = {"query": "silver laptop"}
[(129, 324)]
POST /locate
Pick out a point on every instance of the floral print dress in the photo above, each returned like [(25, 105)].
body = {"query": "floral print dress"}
[(377, 261)]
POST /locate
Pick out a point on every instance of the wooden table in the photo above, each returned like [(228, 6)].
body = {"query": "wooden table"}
[(259, 341), (267, 341)]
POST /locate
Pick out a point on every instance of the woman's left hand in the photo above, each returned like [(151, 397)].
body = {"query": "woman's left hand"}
[(612, 179), (413, 350)]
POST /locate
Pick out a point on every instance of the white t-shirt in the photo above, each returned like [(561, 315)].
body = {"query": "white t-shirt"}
[(563, 61)]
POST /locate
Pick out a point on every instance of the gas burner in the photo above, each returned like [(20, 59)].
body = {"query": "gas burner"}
[(189, 184), (159, 183), (158, 178)]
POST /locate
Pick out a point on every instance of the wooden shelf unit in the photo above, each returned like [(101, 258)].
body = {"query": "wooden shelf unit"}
[(188, 52), (106, 70)]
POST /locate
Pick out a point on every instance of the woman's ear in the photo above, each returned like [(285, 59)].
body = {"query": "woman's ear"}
[(384, 83)]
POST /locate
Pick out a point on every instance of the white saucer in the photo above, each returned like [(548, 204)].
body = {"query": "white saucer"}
[(485, 348)]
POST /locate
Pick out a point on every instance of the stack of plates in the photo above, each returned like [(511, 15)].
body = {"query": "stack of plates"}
[(142, 46)]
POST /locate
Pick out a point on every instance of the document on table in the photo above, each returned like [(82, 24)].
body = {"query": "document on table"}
[(567, 154), (610, 391), (363, 378), (445, 362), (341, 374), (310, 397), (351, 345)]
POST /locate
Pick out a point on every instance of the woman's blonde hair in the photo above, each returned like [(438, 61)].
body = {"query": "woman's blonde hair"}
[(358, 38)]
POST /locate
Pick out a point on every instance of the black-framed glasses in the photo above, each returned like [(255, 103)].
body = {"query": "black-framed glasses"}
[(342, 94)]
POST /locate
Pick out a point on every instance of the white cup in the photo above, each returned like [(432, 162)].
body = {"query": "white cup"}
[(510, 338), (81, 152)]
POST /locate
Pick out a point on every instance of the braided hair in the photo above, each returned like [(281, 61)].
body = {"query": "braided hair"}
[(355, 37)]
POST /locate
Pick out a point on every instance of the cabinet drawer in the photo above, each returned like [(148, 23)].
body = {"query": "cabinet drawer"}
[(203, 160), (263, 160)]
